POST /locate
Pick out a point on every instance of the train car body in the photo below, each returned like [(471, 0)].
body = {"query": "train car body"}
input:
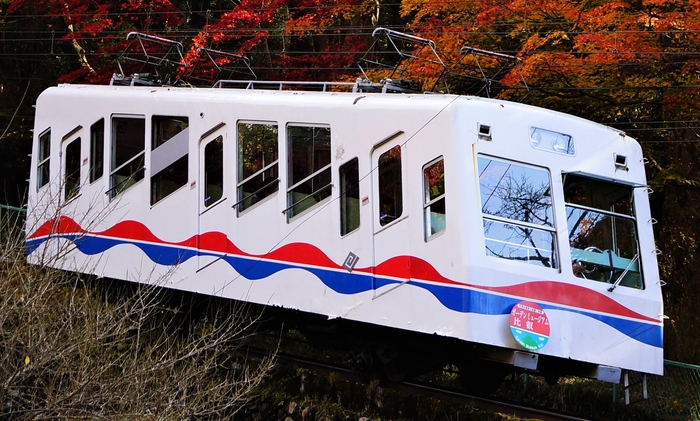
[(520, 229)]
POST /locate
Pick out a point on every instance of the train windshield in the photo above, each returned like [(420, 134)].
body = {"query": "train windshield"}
[(516, 206), (602, 231)]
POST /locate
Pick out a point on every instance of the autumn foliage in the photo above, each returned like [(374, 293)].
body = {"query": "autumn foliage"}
[(629, 64)]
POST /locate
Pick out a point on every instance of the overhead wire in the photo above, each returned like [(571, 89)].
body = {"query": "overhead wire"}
[(362, 31), (209, 11)]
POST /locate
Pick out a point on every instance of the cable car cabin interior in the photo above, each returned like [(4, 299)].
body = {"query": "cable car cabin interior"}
[(602, 233), (411, 213)]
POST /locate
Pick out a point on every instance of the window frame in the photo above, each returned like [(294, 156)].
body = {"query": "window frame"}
[(180, 162), (428, 202), (269, 188), (596, 258), (320, 194), (43, 159), (156, 124), (506, 221), (168, 155), (205, 198), (69, 159), (97, 147), (346, 207), (397, 187), (137, 175)]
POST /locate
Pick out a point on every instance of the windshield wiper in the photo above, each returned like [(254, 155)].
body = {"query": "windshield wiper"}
[(622, 275)]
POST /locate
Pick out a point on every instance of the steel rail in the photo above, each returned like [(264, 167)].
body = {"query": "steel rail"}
[(446, 394)]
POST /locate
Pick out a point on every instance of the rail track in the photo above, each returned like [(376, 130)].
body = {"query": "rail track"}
[(446, 394)]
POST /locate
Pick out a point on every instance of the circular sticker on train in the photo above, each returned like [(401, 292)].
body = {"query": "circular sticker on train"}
[(529, 325)]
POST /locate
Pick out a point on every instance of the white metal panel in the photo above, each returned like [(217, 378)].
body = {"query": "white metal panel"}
[(460, 292)]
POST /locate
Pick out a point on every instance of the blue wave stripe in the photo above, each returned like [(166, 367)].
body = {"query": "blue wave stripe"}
[(462, 300), (483, 302)]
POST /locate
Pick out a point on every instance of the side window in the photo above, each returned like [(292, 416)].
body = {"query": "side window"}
[(43, 162), (602, 234), (516, 205), (97, 153), (128, 146), (349, 177), (71, 180), (434, 197), (390, 187), (166, 128), (213, 171), (258, 172), (309, 170), (169, 154)]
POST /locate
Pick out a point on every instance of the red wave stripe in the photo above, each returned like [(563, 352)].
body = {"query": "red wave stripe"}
[(404, 267), (64, 225), (302, 253), (217, 242), (568, 295), (412, 267), (133, 230), (214, 241), (554, 292)]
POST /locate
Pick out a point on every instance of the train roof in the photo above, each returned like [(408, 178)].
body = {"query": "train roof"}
[(379, 100), (493, 112)]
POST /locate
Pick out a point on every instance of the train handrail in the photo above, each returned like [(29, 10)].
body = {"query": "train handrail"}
[(127, 179), (360, 85), (312, 194), (251, 84), (277, 180)]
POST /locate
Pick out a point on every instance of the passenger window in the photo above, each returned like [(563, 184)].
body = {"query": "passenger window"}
[(166, 128), (516, 205), (258, 170), (169, 155), (349, 196), (602, 233), (309, 171), (44, 159), (390, 188), (71, 180), (434, 197), (97, 146), (213, 171), (128, 146), (168, 180)]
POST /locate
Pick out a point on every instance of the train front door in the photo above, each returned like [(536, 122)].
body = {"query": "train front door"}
[(390, 216), (212, 221)]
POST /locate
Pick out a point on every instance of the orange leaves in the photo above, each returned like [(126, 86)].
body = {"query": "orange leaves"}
[(241, 29), (447, 12), (323, 16), (605, 17), (570, 45), (303, 25), (552, 39), (659, 4)]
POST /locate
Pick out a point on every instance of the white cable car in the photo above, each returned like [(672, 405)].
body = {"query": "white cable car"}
[(445, 224)]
